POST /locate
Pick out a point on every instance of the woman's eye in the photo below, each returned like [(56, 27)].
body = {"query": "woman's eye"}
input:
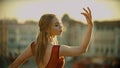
[(56, 25)]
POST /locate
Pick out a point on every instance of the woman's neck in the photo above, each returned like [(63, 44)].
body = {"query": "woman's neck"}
[(52, 40)]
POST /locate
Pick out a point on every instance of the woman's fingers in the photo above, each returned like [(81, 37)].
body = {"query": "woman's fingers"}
[(85, 10), (89, 10), (86, 15)]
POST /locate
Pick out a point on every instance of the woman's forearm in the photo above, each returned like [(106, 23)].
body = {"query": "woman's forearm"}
[(22, 58), (86, 40), (13, 65), (16, 64), (18, 61)]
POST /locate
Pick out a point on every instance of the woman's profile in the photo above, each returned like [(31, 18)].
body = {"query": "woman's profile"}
[(45, 50)]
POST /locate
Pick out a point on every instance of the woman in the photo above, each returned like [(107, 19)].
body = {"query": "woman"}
[(46, 51)]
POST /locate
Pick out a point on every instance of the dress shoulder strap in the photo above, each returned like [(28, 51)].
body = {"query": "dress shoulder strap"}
[(54, 57), (55, 50)]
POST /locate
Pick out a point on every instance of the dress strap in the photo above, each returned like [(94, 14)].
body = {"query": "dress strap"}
[(54, 57), (55, 51)]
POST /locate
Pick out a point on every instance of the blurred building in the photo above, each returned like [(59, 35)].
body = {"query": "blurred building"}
[(106, 39), (17, 35), (21, 35), (3, 38)]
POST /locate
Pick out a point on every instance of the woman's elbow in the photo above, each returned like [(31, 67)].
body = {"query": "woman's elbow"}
[(82, 52)]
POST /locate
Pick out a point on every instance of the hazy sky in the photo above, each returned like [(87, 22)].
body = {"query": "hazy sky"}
[(32, 10)]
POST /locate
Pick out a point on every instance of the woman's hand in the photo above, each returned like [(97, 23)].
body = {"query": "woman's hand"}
[(88, 16)]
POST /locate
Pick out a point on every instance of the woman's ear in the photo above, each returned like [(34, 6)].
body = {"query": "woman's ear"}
[(48, 31)]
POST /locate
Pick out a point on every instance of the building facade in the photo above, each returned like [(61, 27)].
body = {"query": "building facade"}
[(106, 39), (3, 38), (15, 37)]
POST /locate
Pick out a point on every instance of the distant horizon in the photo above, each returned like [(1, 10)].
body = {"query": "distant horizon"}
[(61, 19)]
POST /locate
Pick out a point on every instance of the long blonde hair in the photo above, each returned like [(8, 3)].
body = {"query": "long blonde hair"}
[(43, 37)]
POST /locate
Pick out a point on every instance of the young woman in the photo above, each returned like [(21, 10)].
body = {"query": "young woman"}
[(45, 50)]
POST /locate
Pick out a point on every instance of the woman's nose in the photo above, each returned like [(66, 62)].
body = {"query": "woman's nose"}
[(60, 27)]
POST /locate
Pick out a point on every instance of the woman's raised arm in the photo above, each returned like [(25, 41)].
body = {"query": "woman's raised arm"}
[(82, 48)]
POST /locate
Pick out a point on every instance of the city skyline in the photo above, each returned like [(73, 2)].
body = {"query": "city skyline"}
[(32, 10)]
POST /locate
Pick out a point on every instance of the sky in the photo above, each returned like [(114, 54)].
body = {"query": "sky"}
[(23, 10)]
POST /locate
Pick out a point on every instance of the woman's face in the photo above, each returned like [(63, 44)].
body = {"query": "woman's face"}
[(56, 27)]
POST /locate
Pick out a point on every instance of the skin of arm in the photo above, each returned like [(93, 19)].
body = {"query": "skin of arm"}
[(77, 50), (22, 58)]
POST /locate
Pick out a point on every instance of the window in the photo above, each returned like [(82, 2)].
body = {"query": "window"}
[(12, 40), (119, 41), (106, 51), (112, 51)]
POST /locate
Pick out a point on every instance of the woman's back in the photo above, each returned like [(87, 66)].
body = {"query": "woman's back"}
[(51, 58)]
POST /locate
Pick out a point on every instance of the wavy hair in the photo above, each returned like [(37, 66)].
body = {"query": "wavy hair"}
[(43, 37)]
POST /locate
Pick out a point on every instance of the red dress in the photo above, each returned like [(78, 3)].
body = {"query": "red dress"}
[(55, 61)]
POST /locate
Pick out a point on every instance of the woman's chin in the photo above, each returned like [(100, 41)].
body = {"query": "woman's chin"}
[(58, 34)]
